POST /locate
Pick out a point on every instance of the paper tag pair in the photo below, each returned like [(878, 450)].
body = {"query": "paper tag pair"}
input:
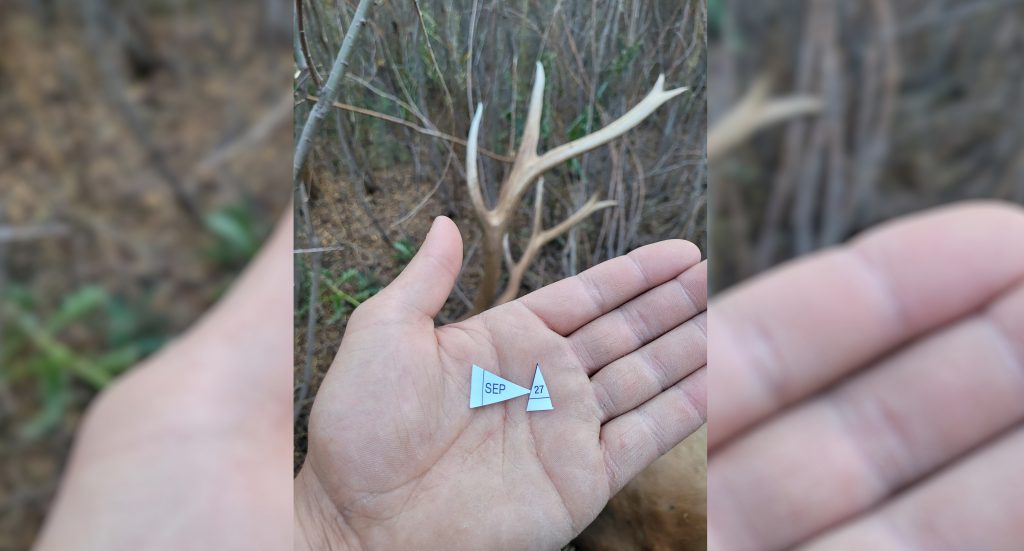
[(486, 388)]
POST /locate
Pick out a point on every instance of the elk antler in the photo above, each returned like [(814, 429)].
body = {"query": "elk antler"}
[(527, 167), (754, 112)]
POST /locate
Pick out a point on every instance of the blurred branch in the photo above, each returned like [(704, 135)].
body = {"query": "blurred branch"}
[(254, 135), (94, 12), (29, 233)]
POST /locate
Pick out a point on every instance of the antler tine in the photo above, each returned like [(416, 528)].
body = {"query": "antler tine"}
[(654, 99), (531, 131), (538, 205), (756, 111), (472, 176), (539, 238), (508, 251), (590, 207)]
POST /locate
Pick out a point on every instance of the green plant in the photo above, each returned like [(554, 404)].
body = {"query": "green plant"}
[(340, 294), (404, 251), (236, 233), (113, 337)]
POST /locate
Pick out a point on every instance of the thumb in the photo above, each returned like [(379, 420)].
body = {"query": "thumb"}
[(426, 282)]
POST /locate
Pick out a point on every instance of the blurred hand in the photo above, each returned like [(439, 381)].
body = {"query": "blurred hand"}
[(192, 449), (872, 397), (398, 460)]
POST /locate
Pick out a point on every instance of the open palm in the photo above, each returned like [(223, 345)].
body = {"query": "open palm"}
[(870, 397), (397, 459)]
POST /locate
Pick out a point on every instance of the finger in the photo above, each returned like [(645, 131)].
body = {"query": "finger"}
[(634, 379), (794, 331), (633, 441), (424, 285), (567, 305), (641, 320), (874, 434), (976, 504)]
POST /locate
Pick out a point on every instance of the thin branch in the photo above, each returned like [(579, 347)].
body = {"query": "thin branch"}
[(114, 82), (29, 233), (302, 201), (417, 128), (318, 250), (329, 92), (255, 134), (423, 202), (433, 59), (304, 46)]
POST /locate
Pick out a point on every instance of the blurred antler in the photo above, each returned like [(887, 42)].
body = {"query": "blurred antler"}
[(754, 112), (527, 167)]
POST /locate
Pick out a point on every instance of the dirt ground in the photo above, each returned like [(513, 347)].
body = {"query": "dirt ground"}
[(93, 203)]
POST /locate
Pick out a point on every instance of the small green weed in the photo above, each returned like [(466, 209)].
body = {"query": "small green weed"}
[(404, 251), (236, 233), (340, 294), (35, 349)]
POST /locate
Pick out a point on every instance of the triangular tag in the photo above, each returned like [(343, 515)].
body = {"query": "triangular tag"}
[(486, 388), (540, 398)]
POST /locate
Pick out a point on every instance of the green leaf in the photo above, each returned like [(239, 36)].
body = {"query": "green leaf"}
[(77, 305), (230, 229), (405, 251), (54, 394)]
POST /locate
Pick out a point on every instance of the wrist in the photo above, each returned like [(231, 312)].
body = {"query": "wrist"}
[(318, 524)]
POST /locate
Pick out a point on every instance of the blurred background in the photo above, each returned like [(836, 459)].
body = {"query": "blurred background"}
[(391, 157), (851, 113), (144, 159)]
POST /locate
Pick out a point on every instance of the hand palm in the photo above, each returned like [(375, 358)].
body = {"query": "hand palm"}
[(869, 397), (392, 434)]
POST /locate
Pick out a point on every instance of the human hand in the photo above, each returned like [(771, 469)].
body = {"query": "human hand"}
[(872, 397), (398, 460), (191, 450)]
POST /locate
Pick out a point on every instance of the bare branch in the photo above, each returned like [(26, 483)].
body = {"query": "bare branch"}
[(329, 93), (420, 129)]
